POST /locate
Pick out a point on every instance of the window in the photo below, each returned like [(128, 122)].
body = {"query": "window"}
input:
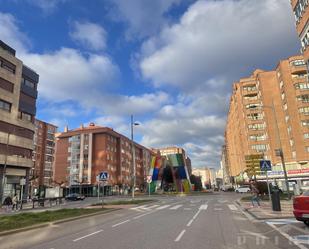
[(25, 116), (294, 154), (256, 126), (300, 8), (249, 88), (301, 86), (305, 123), (253, 106), (303, 98), (258, 137), (285, 106), (291, 142), (299, 75), (259, 147), (307, 148), (287, 118), (281, 84), (304, 110), (7, 65), (28, 83), (296, 63), (251, 97), (5, 105), (306, 135)]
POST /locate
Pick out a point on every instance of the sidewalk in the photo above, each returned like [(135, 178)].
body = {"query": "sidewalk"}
[(265, 210)]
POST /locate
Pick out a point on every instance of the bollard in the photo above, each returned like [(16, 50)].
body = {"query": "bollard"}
[(275, 199)]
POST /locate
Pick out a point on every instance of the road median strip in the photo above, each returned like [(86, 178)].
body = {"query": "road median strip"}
[(28, 221)]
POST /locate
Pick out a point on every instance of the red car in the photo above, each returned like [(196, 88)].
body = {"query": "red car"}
[(301, 207)]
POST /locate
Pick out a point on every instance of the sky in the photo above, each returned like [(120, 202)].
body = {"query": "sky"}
[(170, 63)]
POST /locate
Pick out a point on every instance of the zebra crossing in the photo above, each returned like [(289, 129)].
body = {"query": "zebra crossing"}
[(183, 207)]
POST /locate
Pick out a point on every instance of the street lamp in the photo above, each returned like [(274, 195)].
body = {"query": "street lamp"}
[(279, 151), (133, 154)]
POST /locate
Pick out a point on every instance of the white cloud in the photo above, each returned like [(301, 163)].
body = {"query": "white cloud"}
[(144, 17), (222, 46), (90, 35), (47, 6)]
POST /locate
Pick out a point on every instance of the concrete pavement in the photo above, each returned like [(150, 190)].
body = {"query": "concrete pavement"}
[(206, 221)]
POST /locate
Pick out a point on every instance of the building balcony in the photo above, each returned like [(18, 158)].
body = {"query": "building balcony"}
[(17, 161), (298, 69), (16, 141)]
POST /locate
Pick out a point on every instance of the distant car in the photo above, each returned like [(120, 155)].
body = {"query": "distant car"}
[(75, 197), (301, 207), (243, 189)]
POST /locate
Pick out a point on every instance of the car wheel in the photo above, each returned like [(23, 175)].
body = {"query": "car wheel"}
[(306, 222), (248, 191)]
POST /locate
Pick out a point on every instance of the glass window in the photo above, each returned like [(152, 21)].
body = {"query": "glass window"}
[(304, 110), (5, 105)]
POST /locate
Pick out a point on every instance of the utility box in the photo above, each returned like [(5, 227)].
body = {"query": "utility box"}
[(275, 199)]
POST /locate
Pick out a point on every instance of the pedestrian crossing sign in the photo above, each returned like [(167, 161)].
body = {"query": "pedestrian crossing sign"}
[(265, 165)]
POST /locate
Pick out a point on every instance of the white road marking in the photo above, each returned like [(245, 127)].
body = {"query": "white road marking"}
[(233, 207), (203, 207), (180, 235), (303, 239), (153, 206), (162, 207), (281, 221), (176, 207), (139, 216), (288, 237), (88, 235), (120, 223)]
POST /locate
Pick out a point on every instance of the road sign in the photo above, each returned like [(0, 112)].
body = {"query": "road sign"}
[(103, 176), (149, 179), (265, 165), (22, 181)]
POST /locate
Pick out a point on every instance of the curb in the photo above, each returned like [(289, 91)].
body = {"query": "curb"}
[(259, 218), (45, 224)]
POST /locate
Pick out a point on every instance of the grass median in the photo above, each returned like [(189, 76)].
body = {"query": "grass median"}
[(9, 222), (124, 202)]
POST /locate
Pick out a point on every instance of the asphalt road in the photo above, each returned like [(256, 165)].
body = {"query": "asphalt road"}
[(211, 221)]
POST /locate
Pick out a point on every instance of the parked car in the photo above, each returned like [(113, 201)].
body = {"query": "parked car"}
[(243, 189), (75, 197), (301, 207)]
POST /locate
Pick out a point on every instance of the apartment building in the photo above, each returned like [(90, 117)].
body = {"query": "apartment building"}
[(44, 148), (301, 12), (269, 110), (18, 94), (81, 154)]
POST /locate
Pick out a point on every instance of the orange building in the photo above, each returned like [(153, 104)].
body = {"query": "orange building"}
[(81, 154), (301, 12), (269, 110)]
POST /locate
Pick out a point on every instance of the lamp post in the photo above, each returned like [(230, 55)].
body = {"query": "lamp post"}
[(279, 151), (133, 155)]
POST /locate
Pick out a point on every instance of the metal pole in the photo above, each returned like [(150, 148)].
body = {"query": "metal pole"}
[(149, 189), (103, 196), (281, 152), (268, 186), (133, 157), (98, 191), (21, 196)]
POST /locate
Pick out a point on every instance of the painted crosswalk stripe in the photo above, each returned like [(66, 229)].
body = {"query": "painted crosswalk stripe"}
[(176, 207), (162, 207), (232, 207), (153, 206), (203, 207)]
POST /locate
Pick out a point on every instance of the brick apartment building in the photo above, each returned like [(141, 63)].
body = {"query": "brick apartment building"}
[(301, 12), (81, 154), (18, 94), (253, 128), (43, 154)]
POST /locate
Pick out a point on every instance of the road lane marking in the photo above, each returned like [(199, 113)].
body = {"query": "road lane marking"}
[(153, 206), (203, 207), (233, 207), (120, 223), (176, 207), (139, 216), (162, 207), (180, 235), (288, 237), (88, 235)]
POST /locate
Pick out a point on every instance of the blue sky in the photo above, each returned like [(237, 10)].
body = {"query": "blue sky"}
[(171, 63)]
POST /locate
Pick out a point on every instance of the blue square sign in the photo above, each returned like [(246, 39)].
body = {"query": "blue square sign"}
[(265, 165), (103, 176)]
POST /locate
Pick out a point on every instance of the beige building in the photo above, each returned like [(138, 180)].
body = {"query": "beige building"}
[(18, 93), (269, 110)]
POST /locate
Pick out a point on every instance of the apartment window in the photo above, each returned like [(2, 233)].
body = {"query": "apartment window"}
[(289, 130), (306, 135), (281, 84), (7, 65), (298, 63), (253, 106), (6, 106), (305, 40), (307, 148), (301, 86), (259, 147), (294, 154), (256, 126), (304, 110), (28, 83), (300, 8), (287, 118), (291, 142), (303, 98), (25, 116), (258, 137), (305, 123), (299, 75), (283, 96), (251, 97), (249, 88), (285, 106)]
